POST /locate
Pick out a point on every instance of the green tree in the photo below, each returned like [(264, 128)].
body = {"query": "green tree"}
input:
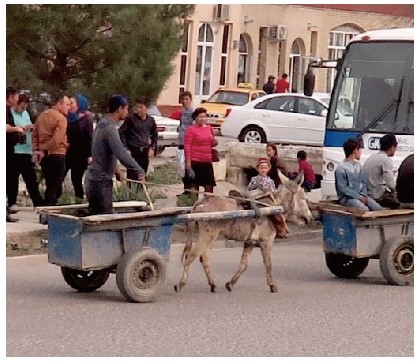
[(94, 49)]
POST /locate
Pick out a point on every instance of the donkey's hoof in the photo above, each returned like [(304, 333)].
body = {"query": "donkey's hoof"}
[(228, 286), (212, 287), (177, 288), (273, 288)]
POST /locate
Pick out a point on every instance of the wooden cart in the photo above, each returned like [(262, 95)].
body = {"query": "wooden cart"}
[(135, 246), (352, 237)]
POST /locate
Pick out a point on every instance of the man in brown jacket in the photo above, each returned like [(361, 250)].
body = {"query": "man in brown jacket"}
[(49, 143)]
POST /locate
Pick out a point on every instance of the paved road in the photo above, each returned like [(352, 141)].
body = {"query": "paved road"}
[(314, 314)]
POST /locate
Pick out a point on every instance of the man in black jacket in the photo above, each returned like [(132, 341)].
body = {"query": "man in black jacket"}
[(269, 86), (139, 135)]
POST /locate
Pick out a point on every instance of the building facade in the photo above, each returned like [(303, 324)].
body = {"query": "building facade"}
[(225, 44)]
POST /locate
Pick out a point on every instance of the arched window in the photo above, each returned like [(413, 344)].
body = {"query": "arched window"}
[(204, 60), (243, 60), (295, 65), (338, 40)]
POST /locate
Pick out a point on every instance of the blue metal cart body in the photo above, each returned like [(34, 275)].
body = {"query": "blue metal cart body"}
[(351, 238)]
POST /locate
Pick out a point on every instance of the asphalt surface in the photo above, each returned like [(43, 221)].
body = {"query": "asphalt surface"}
[(313, 314)]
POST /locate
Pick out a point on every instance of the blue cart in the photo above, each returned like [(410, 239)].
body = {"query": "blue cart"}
[(351, 238), (135, 246)]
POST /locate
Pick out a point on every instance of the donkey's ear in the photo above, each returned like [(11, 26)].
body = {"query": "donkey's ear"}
[(300, 178), (283, 178)]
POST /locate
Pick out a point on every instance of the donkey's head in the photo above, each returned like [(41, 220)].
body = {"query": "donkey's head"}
[(293, 198)]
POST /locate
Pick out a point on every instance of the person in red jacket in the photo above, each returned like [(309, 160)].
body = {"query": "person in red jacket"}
[(309, 174), (198, 142), (282, 85)]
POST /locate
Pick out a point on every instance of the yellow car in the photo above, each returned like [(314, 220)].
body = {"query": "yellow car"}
[(217, 104)]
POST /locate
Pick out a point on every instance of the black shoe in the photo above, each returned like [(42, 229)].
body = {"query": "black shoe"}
[(11, 219)]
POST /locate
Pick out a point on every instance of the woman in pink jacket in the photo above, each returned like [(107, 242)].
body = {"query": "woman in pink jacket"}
[(198, 143)]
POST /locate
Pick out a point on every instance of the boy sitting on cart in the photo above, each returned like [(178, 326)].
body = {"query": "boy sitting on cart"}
[(349, 180)]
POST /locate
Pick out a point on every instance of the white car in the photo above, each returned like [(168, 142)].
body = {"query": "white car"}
[(167, 129), (289, 118)]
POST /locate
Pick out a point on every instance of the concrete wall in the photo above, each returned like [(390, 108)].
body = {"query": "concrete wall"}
[(240, 156)]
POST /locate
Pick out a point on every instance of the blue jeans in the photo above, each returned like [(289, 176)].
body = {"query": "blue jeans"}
[(356, 203)]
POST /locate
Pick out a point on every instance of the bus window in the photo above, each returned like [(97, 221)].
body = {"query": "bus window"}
[(371, 86)]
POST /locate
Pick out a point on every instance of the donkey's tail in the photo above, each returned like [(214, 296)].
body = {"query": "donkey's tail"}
[(192, 227)]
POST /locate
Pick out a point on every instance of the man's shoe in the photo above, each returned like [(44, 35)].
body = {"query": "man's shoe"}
[(11, 219)]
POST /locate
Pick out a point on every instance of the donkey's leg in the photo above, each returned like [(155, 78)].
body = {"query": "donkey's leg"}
[(211, 234), (204, 260), (248, 247), (266, 247), (205, 239)]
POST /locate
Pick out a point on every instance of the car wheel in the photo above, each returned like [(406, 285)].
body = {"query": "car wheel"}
[(253, 134)]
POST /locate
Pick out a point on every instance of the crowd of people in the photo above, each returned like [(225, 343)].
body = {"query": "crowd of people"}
[(62, 139)]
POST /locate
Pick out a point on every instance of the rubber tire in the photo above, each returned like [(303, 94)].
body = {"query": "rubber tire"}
[(160, 150), (85, 281), (344, 266), (242, 136), (390, 253), (128, 281)]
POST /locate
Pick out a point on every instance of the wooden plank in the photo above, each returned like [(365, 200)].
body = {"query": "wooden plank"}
[(103, 218), (336, 207), (186, 215), (387, 213), (116, 205), (233, 214), (361, 214)]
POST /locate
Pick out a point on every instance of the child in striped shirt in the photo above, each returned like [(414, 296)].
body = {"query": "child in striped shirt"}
[(262, 181)]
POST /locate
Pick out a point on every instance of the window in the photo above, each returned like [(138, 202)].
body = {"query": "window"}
[(310, 107), (224, 55), (338, 40), (242, 60), (204, 60), (183, 59), (285, 104), (229, 98)]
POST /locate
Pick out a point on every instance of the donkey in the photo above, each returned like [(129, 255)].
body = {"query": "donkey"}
[(253, 232)]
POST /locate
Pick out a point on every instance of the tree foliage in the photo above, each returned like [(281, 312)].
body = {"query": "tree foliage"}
[(94, 49)]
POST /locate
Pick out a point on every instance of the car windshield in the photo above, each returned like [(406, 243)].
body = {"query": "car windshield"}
[(153, 111), (229, 98)]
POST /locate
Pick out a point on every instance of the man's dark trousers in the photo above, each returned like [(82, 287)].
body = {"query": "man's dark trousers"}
[(53, 169), (142, 158), (23, 165), (99, 194)]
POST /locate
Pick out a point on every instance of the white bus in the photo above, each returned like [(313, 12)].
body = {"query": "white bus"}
[(375, 89)]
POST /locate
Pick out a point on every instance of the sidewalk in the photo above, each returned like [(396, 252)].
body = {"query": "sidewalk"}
[(28, 222)]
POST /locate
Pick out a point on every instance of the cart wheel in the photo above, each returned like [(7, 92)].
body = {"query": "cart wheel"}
[(84, 281), (140, 274), (344, 266), (397, 261)]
